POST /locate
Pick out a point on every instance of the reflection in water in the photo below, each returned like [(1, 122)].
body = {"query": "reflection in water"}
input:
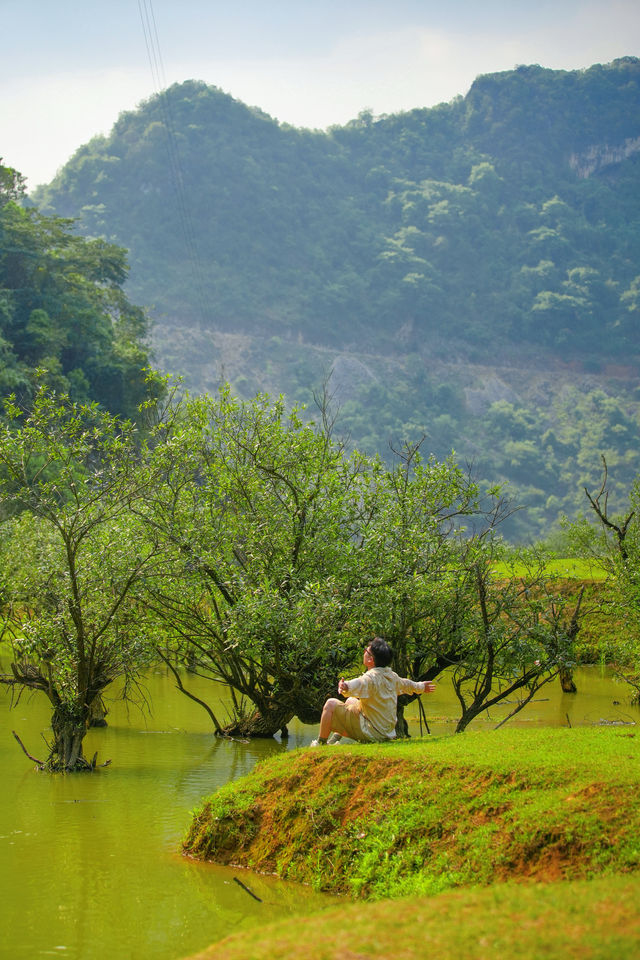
[(90, 865)]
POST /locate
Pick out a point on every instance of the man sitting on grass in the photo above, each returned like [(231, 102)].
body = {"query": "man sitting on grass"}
[(369, 714)]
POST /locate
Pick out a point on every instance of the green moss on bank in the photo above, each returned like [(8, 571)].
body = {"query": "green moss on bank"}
[(419, 817)]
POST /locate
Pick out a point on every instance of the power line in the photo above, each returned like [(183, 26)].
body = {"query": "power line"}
[(154, 54)]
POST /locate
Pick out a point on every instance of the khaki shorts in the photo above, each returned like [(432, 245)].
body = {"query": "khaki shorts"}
[(347, 716)]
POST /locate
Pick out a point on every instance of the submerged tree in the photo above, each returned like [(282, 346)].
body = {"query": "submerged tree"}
[(430, 585), (260, 511), (615, 544), (286, 554), (519, 634), (412, 584), (71, 556)]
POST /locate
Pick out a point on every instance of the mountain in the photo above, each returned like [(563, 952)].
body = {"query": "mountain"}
[(470, 272)]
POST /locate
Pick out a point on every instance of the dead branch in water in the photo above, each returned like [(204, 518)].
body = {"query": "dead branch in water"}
[(187, 693), (26, 752), (250, 892)]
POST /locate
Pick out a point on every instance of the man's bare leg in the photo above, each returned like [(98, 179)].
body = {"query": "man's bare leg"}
[(327, 724)]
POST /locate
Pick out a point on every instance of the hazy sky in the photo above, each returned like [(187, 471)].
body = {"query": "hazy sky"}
[(68, 68)]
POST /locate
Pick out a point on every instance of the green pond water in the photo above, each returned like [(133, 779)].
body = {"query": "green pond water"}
[(90, 865)]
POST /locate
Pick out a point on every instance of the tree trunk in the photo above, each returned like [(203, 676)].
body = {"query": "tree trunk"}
[(566, 681), (69, 724), (465, 720), (272, 713), (402, 727), (258, 724), (97, 713)]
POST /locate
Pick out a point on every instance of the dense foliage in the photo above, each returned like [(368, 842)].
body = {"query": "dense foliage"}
[(243, 542), (288, 555), (500, 215), (63, 310), (499, 228), (261, 512)]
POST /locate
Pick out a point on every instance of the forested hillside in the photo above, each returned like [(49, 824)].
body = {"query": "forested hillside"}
[(64, 318), (470, 272)]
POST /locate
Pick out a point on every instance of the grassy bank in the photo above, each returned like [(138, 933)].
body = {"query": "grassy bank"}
[(416, 818), (597, 920)]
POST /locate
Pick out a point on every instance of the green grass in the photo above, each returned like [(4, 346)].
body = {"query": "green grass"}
[(514, 842), (388, 820), (584, 753), (573, 568), (597, 920)]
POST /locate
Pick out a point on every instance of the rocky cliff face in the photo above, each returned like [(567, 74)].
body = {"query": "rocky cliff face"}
[(206, 358), (602, 155)]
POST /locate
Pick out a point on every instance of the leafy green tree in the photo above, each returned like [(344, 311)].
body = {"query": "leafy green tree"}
[(72, 554), (12, 185), (261, 512), (411, 562), (63, 309), (286, 554), (429, 584)]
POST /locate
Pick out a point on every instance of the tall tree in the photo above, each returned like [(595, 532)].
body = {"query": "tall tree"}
[(261, 511), (519, 633), (429, 583), (72, 553), (616, 545)]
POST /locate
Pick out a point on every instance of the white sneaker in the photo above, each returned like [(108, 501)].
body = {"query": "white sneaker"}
[(318, 743), (334, 738)]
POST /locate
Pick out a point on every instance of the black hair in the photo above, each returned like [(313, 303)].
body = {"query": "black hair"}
[(381, 652)]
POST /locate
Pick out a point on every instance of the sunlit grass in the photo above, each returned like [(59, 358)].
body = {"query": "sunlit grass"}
[(422, 816), (444, 826), (596, 920), (574, 568)]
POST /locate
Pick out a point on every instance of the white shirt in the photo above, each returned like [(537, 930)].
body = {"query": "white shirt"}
[(378, 690)]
